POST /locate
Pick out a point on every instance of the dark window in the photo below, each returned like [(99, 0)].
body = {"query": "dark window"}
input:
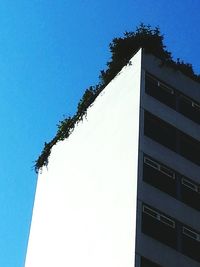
[(171, 182), (172, 98), (163, 228), (159, 226), (148, 263), (160, 131), (159, 176), (191, 243), (189, 148), (167, 135), (160, 91), (190, 193), (189, 108)]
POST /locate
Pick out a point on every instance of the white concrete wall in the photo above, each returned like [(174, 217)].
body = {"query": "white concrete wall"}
[(85, 205)]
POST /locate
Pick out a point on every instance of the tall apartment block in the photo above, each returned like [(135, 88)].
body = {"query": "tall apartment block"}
[(124, 189)]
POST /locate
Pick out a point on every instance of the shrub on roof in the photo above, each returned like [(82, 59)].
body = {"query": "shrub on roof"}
[(122, 49)]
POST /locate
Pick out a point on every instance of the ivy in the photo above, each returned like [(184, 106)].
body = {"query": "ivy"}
[(122, 49)]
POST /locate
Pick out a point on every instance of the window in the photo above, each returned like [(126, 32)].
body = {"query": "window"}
[(189, 184), (189, 108), (167, 230), (167, 135), (190, 193), (151, 163), (160, 91), (158, 216), (172, 98), (191, 243), (189, 148), (191, 234), (147, 263), (159, 176), (151, 212), (171, 182), (167, 221), (159, 130), (159, 226)]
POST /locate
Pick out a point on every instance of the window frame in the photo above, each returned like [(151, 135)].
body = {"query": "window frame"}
[(160, 84), (186, 182), (186, 233), (193, 103), (159, 216), (160, 167)]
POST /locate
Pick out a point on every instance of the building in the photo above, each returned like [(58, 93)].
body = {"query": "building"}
[(124, 188)]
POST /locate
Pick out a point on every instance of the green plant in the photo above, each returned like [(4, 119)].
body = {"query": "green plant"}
[(66, 126), (122, 49)]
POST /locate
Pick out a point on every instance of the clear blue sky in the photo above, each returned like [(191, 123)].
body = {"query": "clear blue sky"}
[(50, 52)]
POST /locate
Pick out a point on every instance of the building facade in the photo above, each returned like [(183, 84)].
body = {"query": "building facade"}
[(124, 188), (168, 176)]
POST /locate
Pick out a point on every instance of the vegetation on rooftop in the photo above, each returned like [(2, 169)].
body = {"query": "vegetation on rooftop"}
[(122, 49)]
